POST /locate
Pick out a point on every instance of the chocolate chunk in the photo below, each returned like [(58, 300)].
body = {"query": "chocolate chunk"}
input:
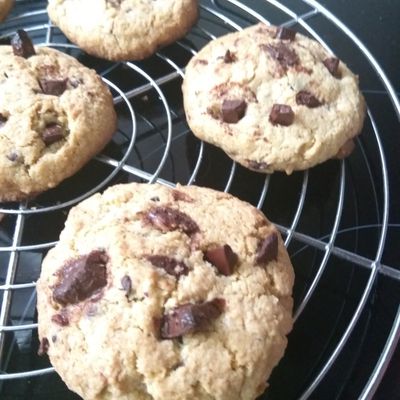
[(3, 120), (157, 327), (169, 219), (52, 133), (223, 258), (169, 265), (200, 61), (180, 196), (229, 57), (126, 283), (54, 338), (52, 86), (13, 156), (306, 98), (267, 249), (285, 34), (281, 52), (60, 319), (258, 166), (332, 65), (22, 45), (233, 110), (155, 198), (281, 114), (43, 347), (81, 278), (189, 318)]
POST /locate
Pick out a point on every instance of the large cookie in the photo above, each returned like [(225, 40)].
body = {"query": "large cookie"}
[(272, 99), (5, 7), (159, 293), (55, 115), (123, 29)]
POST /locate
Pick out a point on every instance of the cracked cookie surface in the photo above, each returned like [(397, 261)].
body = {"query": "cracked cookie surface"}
[(5, 7), (123, 29), (160, 293), (272, 99), (55, 115)]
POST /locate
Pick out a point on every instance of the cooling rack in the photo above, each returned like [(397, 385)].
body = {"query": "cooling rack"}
[(334, 218)]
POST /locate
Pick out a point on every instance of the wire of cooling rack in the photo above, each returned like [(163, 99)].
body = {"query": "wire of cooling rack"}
[(223, 14)]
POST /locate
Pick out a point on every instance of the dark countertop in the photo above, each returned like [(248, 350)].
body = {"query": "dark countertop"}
[(376, 24)]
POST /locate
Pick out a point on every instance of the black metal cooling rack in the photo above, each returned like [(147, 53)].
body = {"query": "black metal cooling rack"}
[(334, 217)]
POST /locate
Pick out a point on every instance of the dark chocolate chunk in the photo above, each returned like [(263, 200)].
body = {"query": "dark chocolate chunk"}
[(332, 65), (200, 61), (233, 110), (60, 319), (81, 278), (267, 249), (189, 318), (52, 134), (306, 98), (180, 196), (229, 57), (281, 114), (258, 166), (155, 198), (281, 52), (169, 265), (285, 34), (169, 219), (223, 258), (54, 338), (3, 120), (43, 347), (53, 86), (22, 45), (13, 156), (126, 283), (157, 327)]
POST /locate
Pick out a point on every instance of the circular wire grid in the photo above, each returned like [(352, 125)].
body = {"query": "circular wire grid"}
[(334, 218)]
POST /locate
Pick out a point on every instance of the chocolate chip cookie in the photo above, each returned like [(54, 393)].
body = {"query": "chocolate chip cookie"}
[(55, 115), (123, 29), (5, 7), (160, 293), (273, 99)]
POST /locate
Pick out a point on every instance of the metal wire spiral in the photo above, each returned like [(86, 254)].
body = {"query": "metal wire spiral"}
[(167, 128)]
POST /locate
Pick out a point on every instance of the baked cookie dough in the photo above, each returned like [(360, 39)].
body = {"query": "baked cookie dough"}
[(55, 115), (123, 29), (5, 7), (272, 99), (159, 293)]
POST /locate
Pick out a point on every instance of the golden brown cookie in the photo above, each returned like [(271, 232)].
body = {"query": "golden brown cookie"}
[(55, 115), (123, 29), (272, 99), (160, 293)]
